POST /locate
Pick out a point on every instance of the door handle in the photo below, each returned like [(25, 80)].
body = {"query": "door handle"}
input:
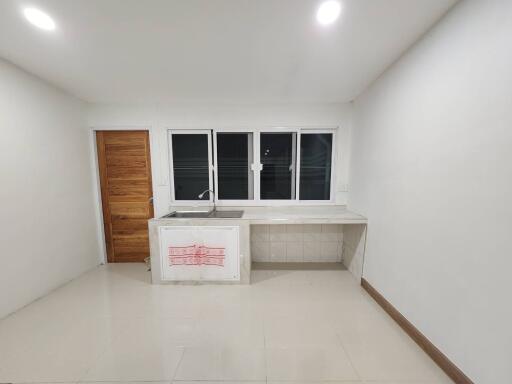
[(150, 200)]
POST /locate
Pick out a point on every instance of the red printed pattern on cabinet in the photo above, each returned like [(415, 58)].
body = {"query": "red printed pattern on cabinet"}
[(196, 255)]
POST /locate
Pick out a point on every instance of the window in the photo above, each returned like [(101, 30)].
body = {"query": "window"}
[(234, 160), (191, 164), (315, 166), (258, 167), (277, 157)]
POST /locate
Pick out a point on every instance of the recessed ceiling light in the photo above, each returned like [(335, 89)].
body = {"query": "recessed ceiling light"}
[(39, 19), (328, 12)]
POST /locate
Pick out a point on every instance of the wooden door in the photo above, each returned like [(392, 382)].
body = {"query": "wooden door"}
[(126, 193)]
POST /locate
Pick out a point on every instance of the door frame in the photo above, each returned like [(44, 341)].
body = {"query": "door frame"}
[(93, 150)]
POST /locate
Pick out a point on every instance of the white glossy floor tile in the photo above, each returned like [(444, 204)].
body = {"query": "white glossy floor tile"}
[(118, 382), (139, 363), (299, 331), (393, 361), (231, 364), (219, 382), (112, 325), (230, 331), (299, 364), (316, 382), (62, 351)]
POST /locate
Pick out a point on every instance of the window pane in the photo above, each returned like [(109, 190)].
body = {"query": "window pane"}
[(278, 157), (234, 159), (190, 164), (315, 166)]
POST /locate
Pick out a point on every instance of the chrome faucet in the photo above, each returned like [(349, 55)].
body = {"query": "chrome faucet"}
[(201, 195)]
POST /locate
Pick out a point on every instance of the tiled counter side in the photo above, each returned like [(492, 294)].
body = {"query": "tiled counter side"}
[(354, 245)]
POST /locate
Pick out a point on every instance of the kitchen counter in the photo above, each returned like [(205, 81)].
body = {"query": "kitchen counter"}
[(325, 214), (194, 232), (302, 215)]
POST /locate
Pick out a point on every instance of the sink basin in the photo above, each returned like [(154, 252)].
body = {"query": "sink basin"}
[(226, 214), (204, 215), (185, 214)]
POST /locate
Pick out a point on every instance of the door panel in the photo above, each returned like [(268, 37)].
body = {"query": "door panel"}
[(126, 191)]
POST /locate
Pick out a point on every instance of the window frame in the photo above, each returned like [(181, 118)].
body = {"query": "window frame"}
[(206, 132), (333, 165), (234, 202), (256, 165), (279, 202)]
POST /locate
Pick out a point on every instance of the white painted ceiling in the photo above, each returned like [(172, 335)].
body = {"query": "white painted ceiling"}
[(127, 51)]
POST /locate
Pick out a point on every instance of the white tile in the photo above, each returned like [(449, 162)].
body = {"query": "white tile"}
[(236, 364), (166, 302), (294, 233), (260, 232), (112, 325), (294, 252), (234, 329), (260, 251), (329, 232), (218, 382), (61, 352), (278, 251), (117, 382), (308, 330), (307, 364), (138, 363), (329, 251), (380, 350), (328, 382), (340, 251), (312, 251), (277, 232), (378, 362), (341, 230), (312, 232), (153, 331)]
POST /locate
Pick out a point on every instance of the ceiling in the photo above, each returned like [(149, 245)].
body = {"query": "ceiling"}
[(134, 51)]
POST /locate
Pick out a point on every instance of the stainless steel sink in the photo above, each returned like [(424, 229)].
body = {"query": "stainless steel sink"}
[(204, 215), (226, 214), (185, 214)]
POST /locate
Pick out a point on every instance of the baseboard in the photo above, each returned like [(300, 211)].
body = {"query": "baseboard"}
[(430, 349)]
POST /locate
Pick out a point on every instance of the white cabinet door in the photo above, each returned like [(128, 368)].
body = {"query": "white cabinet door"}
[(195, 253)]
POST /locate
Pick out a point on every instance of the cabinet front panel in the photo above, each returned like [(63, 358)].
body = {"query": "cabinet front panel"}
[(200, 253)]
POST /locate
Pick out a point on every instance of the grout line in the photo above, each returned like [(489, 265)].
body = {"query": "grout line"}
[(264, 348), (178, 365), (348, 357), (95, 361)]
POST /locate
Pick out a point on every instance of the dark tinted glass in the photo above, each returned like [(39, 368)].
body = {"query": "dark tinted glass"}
[(277, 155), (191, 166), (315, 166), (234, 158)]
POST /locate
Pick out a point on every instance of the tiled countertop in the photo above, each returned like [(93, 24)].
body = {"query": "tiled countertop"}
[(327, 214)]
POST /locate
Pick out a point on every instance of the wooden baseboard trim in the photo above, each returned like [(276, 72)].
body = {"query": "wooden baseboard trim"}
[(435, 354)]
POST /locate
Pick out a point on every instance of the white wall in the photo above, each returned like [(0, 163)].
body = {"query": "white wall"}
[(432, 170), (47, 223), (159, 118)]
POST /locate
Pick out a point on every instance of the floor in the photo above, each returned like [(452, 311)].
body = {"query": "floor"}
[(111, 325)]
